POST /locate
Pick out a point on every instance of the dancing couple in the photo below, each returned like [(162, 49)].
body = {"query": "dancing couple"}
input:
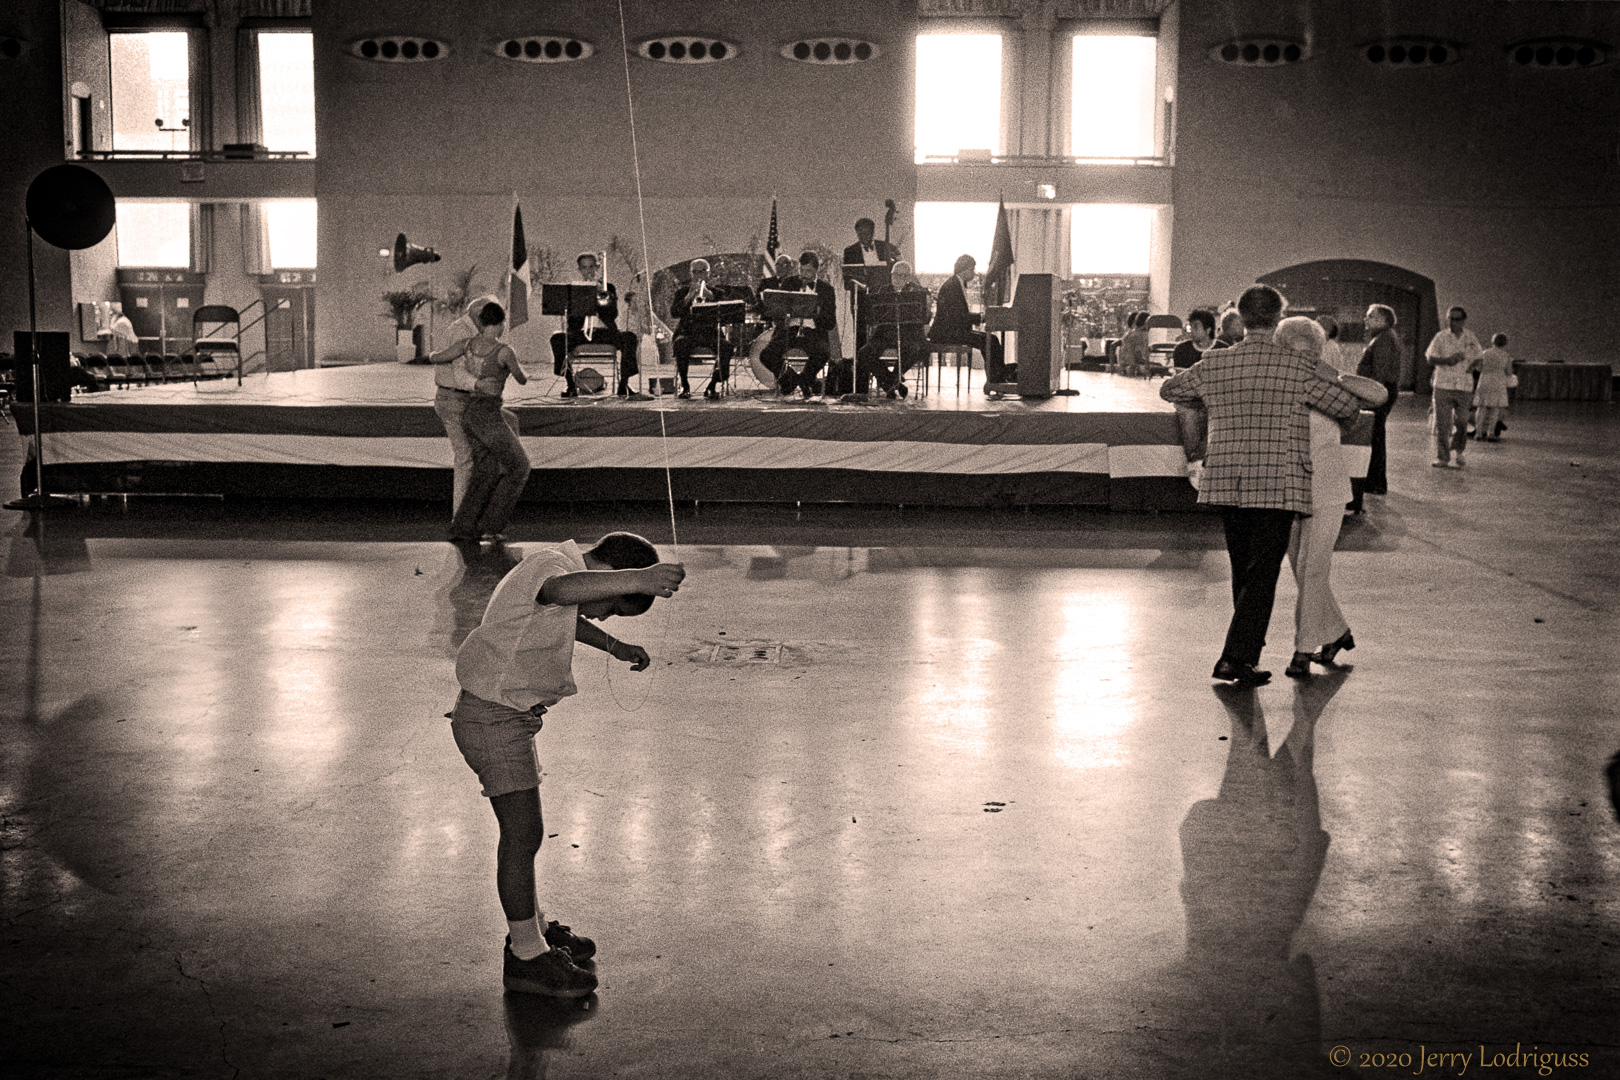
[(1275, 471)]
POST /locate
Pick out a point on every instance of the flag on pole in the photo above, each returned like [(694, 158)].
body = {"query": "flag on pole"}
[(517, 301), (997, 276), (773, 243)]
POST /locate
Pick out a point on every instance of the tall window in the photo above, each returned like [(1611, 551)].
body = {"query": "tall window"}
[(291, 225), (151, 90), (958, 93), (1113, 105), (287, 90), (1108, 239), (945, 230), (154, 234)]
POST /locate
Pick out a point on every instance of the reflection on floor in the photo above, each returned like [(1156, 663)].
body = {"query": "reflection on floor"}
[(905, 795)]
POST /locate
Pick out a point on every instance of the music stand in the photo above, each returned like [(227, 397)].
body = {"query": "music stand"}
[(722, 313), (565, 298), (867, 278), (897, 309), (780, 305)]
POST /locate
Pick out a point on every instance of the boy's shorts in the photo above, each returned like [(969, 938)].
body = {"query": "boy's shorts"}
[(498, 743)]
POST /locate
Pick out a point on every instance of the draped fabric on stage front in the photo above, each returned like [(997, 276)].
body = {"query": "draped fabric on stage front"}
[(376, 423)]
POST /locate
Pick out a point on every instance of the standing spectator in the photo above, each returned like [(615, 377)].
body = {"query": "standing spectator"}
[(1452, 354), (1491, 394), (1320, 630), (1380, 362), (1200, 335), (1334, 352), (1133, 347), (124, 341), (1258, 469)]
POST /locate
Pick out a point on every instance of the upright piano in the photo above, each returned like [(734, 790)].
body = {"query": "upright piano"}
[(1036, 317)]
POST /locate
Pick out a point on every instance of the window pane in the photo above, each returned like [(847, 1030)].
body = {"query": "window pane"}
[(1113, 96), (1107, 239), (151, 99), (287, 91), (154, 234), (958, 93), (292, 233), (945, 230)]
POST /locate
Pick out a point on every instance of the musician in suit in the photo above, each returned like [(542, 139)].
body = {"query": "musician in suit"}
[(814, 336), (954, 324), (871, 252), (909, 340), (694, 333), (782, 272), (600, 327)]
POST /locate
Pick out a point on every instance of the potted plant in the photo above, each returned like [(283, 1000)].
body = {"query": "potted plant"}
[(402, 306)]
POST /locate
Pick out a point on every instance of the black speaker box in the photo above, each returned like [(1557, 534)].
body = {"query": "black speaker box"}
[(54, 366)]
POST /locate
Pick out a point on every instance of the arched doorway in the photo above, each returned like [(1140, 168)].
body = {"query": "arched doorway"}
[(1343, 288)]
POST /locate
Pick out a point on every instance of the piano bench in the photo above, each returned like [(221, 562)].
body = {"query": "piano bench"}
[(963, 356)]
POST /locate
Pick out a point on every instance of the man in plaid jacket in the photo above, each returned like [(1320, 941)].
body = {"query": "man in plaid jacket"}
[(1258, 469)]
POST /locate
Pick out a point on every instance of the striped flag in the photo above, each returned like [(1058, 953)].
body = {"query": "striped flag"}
[(517, 303), (773, 243), (997, 276)]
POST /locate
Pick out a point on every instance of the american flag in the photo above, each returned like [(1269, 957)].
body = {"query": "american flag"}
[(773, 243)]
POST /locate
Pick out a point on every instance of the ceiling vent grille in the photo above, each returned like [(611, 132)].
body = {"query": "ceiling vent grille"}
[(399, 50), (1411, 52), (1260, 52), (687, 49), (544, 49), (1566, 53), (833, 50)]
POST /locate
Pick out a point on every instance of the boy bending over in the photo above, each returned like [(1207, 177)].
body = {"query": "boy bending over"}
[(517, 664)]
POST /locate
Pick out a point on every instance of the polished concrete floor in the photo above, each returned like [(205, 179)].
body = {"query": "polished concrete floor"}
[(985, 817)]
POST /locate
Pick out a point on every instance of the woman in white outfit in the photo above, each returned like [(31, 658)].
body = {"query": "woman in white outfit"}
[(1317, 618)]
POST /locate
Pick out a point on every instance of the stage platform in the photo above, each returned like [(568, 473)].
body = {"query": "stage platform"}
[(370, 431)]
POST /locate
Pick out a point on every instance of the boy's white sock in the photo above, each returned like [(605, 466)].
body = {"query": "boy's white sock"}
[(526, 940)]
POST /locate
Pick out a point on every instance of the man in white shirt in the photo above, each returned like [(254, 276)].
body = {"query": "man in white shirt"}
[(512, 668), (1453, 354)]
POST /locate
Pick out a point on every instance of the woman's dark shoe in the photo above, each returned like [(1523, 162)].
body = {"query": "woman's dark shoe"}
[(1240, 673), (685, 393), (1327, 653), (1299, 667)]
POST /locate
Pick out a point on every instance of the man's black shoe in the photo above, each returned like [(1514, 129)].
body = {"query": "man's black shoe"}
[(1241, 673)]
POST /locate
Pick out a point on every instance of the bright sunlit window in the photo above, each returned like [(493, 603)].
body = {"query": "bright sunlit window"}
[(154, 234), (151, 98), (945, 230), (1106, 239), (958, 93), (1113, 96), (287, 90), (291, 225)]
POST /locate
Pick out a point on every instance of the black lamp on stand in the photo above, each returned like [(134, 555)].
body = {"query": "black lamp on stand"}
[(72, 208)]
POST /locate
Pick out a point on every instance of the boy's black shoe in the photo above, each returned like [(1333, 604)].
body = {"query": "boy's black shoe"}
[(552, 974), (559, 936)]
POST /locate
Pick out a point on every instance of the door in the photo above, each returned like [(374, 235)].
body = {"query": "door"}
[(1344, 288)]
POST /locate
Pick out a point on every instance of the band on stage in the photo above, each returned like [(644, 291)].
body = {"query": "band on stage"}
[(793, 345)]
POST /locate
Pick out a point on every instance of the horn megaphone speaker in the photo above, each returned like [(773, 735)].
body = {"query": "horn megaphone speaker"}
[(407, 254), (70, 207)]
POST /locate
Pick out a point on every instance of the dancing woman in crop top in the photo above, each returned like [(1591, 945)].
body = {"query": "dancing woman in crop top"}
[(500, 467)]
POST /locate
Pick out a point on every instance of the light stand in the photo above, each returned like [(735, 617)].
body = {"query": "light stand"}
[(72, 208), (39, 500)]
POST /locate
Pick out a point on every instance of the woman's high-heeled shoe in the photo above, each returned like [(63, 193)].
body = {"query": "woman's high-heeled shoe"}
[(1300, 666), (1326, 654)]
